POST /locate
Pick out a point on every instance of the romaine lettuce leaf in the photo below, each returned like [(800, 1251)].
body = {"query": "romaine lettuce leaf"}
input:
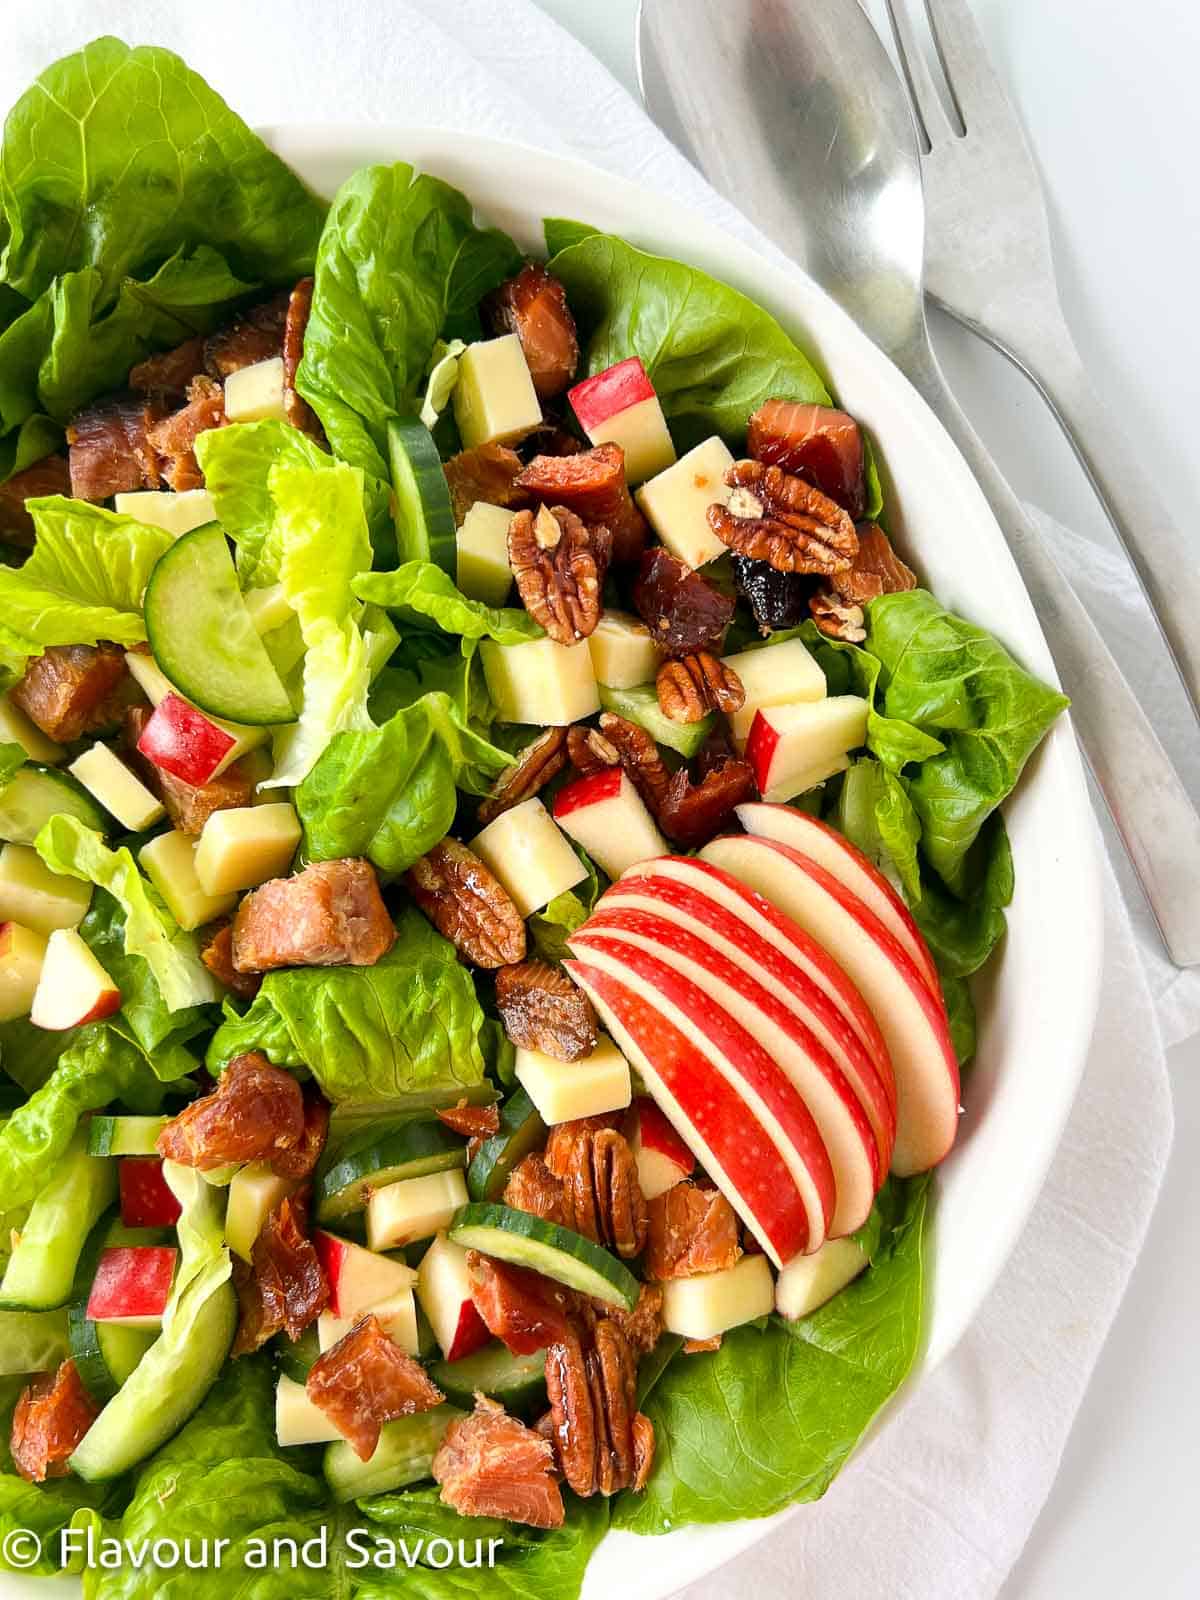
[(236, 462), (422, 591), (12, 759)]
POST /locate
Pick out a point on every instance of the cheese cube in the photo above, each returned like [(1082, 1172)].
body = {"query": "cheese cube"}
[(483, 571), (530, 855), (174, 513), (256, 393), (22, 955), (241, 847), (619, 406), (298, 1420), (676, 502), (118, 790), (605, 814), (17, 728), (713, 1302), (548, 684), (254, 1192), (397, 1317), (494, 398), (623, 651), (414, 1208), (169, 861), (564, 1090), (33, 895), (773, 675), (808, 1281)]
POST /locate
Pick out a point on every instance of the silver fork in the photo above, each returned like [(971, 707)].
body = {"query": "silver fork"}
[(988, 262)]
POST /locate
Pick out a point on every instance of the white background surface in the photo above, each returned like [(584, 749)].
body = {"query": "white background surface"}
[(1108, 97)]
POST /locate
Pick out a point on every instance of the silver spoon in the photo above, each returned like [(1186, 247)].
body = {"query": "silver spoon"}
[(792, 109)]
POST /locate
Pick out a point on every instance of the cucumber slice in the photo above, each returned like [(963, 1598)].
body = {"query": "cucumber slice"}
[(295, 1357), (521, 1130), (518, 1382), (104, 1353), (529, 1241), (124, 1136), (32, 1341), (403, 1455), (380, 1156), (640, 705), (423, 513), (204, 638), (41, 1269), (35, 794)]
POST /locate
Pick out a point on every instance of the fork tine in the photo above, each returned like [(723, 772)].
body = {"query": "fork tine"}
[(933, 125), (973, 82)]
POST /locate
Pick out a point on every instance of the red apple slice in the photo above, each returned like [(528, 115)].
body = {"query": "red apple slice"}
[(358, 1278), (73, 987), (619, 406), (444, 1290), (913, 1022), (794, 747), (596, 400), (662, 1158), (146, 1199), (832, 1102), (132, 1285), (833, 851), (702, 1107), (605, 814), (184, 742)]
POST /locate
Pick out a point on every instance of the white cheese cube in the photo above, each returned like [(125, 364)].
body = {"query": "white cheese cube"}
[(174, 513), (169, 861), (713, 1302), (548, 684), (298, 1420), (624, 652), (254, 1192), (242, 846), (808, 1281), (17, 728), (22, 955), (530, 855), (642, 433), (564, 1090), (256, 393), (118, 790), (605, 814), (397, 1317), (676, 502), (36, 897), (414, 1208), (773, 675), (483, 571), (494, 398)]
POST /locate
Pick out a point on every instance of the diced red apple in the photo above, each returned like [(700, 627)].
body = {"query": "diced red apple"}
[(809, 1281), (444, 1290), (397, 1317), (146, 1199), (73, 987), (619, 406), (790, 747), (663, 1160), (22, 956), (132, 1285), (413, 1208), (184, 742), (773, 675), (358, 1278), (912, 1021), (605, 814), (709, 1304)]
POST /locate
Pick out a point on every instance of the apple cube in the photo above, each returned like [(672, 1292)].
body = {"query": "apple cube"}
[(413, 1208), (174, 513), (17, 728), (564, 1090), (624, 652), (255, 393), (482, 554), (619, 406), (444, 1290), (550, 685), (788, 744), (132, 1285), (773, 675), (184, 742), (36, 897), (397, 1317), (663, 1160), (358, 1279), (254, 1192), (713, 1302), (605, 814), (494, 398), (298, 1420), (808, 1281), (157, 688), (243, 846), (22, 955), (147, 1200), (169, 861), (676, 502), (530, 855), (73, 987), (118, 790)]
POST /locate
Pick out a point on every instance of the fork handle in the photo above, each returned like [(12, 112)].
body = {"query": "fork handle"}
[(1148, 802)]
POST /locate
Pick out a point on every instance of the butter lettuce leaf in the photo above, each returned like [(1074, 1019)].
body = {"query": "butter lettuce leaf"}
[(236, 462), (420, 591)]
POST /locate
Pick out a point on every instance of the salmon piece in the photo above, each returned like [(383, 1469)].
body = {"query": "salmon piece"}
[(300, 1161), (50, 475), (171, 371), (110, 449), (877, 569), (174, 438), (817, 443), (534, 1188), (643, 1325), (188, 805), (533, 305), (51, 1417), (296, 408), (255, 1113), (285, 1286), (591, 483), (330, 914), (521, 1307), (255, 335), (488, 473), (364, 1381), (491, 1465), (691, 1230), (217, 956), (72, 689)]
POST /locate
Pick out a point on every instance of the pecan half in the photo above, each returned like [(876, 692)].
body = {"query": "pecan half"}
[(467, 905), (640, 756), (559, 565), (692, 686), (600, 1183), (529, 774), (589, 750), (877, 569), (603, 1443), (838, 619), (692, 813), (543, 1010), (775, 517)]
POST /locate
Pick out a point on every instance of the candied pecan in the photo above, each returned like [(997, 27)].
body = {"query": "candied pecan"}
[(775, 517), (817, 443), (838, 619), (554, 558), (473, 1122), (683, 611), (692, 813), (643, 1325), (533, 769), (255, 1112), (591, 483), (877, 569), (217, 956), (691, 686), (640, 757), (542, 1009), (521, 1307), (51, 1417), (296, 408), (589, 750), (591, 1382), (488, 473), (300, 1160), (533, 305), (285, 1286), (777, 599), (533, 1187), (72, 689), (691, 1230), (600, 1183), (467, 905), (491, 1465), (643, 1451), (365, 1380)]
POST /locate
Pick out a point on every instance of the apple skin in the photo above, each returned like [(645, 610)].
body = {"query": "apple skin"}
[(610, 392), (71, 970), (655, 1133), (146, 1199), (132, 1281), (761, 743), (470, 1335), (443, 1283), (183, 742), (588, 791), (336, 1256)]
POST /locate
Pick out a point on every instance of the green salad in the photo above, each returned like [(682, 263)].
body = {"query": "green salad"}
[(495, 842)]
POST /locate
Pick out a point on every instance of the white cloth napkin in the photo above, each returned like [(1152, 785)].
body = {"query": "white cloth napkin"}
[(941, 1503)]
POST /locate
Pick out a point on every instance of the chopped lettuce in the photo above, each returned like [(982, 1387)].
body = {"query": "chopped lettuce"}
[(237, 463), (422, 591), (12, 759)]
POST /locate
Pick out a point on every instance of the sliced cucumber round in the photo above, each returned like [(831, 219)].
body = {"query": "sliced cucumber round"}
[(425, 528), (381, 1156), (124, 1136), (558, 1253), (521, 1130), (35, 794), (518, 1382), (204, 638), (403, 1455), (104, 1353), (32, 1341)]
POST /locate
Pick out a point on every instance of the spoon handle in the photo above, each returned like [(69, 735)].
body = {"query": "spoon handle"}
[(1149, 805)]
